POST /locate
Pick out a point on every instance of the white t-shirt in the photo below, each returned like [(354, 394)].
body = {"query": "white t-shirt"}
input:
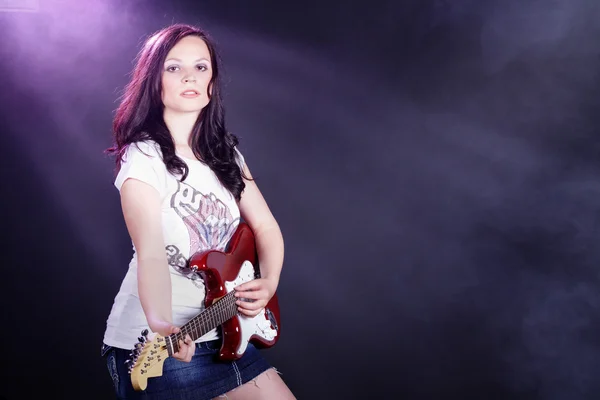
[(198, 214)]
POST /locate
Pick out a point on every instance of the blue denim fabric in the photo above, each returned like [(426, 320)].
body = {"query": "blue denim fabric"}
[(202, 378)]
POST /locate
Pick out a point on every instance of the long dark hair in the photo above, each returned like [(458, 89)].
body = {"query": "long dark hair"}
[(139, 116)]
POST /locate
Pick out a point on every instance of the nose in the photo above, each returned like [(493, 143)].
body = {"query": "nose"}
[(189, 79)]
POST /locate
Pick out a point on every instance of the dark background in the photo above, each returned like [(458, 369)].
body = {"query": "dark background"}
[(434, 167)]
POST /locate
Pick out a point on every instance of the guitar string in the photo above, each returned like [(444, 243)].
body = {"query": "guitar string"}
[(224, 304), (224, 308)]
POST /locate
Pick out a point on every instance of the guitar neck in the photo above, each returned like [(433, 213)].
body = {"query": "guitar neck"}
[(212, 317)]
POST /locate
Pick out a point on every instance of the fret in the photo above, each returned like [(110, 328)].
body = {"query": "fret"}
[(208, 319)]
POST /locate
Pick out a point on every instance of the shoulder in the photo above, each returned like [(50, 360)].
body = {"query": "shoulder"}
[(147, 148), (145, 152), (142, 161)]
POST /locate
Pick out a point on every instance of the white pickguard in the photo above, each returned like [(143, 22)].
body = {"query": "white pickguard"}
[(258, 325)]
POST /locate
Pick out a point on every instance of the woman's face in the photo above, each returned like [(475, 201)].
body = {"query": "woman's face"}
[(186, 75)]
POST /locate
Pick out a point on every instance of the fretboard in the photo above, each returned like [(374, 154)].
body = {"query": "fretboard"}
[(221, 311)]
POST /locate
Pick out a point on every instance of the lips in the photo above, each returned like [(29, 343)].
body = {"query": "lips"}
[(190, 94)]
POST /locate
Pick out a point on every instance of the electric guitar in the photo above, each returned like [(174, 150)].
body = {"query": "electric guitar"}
[(222, 272)]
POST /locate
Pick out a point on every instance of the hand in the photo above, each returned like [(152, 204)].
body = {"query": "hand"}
[(187, 347), (253, 296)]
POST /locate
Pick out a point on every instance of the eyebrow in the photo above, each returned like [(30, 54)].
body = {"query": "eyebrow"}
[(178, 60)]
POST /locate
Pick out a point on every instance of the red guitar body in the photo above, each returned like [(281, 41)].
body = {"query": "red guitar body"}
[(221, 272)]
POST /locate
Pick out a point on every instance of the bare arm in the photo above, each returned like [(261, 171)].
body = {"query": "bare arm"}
[(269, 240), (141, 209), (269, 245)]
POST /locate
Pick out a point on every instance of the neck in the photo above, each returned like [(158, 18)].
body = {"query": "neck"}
[(180, 126), (210, 318)]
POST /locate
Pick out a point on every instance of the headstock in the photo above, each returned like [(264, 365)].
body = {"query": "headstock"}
[(146, 360)]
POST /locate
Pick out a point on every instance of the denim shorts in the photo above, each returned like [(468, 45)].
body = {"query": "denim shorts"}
[(204, 377)]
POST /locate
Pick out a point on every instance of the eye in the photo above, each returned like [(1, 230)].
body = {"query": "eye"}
[(172, 68), (202, 67)]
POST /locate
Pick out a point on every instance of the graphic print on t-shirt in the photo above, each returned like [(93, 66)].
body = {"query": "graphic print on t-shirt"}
[(177, 260), (208, 220)]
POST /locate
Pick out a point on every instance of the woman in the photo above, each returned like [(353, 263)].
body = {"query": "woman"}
[(183, 187)]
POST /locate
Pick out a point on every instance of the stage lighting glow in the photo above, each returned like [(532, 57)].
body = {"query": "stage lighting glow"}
[(19, 5)]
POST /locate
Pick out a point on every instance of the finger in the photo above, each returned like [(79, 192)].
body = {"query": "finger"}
[(259, 302), (177, 354), (184, 352), (249, 313), (182, 355), (183, 348), (251, 308), (248, 285), (255, 294), (191, 347), (251, 305)]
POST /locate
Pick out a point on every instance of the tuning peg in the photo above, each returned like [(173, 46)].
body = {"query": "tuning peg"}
[(142, 339), (145, 332)]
